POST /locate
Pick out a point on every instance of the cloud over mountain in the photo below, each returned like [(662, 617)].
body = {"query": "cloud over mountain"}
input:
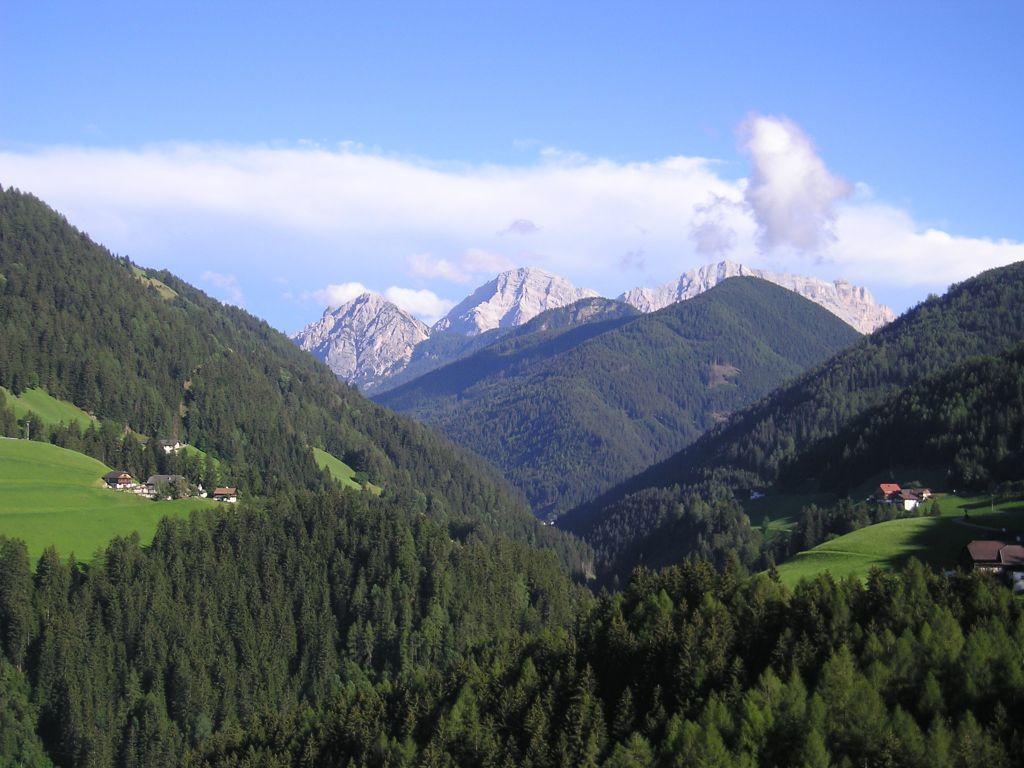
[(791, 194), (332, 216)]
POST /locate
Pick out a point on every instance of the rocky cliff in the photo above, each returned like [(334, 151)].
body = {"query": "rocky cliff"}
[(853, 304)]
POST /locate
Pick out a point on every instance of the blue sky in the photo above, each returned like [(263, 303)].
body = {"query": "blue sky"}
[(915, 107)]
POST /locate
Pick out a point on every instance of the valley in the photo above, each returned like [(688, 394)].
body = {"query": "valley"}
[(519, 385), (710, 467)]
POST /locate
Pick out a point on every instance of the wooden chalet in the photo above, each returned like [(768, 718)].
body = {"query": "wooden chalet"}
[(118, 479), (225, 493), (993, 556)]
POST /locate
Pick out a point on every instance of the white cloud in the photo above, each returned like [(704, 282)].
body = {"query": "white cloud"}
[(425, 265), (227, 286), (712, 234), (336, 294), (791, 192), (883, 243), (472, 265), (424, 304), (478, 262), (315, 213)]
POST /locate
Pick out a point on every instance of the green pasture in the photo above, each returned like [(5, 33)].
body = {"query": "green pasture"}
[(165, 291), (933, 540), (341, 471), (49, 409), (53, 496)]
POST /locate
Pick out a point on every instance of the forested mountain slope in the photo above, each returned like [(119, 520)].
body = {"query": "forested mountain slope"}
[(981, 316), (569, 410), (967, 422), (682, 505), (82, 324), (445, 347)]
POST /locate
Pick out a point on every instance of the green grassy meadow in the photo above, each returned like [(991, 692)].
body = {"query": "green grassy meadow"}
[(341, 471), (782, 511), (53, 496), (936, 541), (191, 450), (49, 409), (165, 291)]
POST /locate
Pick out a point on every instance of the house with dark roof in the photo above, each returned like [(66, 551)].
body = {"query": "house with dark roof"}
[(170, 446), (993, 556)]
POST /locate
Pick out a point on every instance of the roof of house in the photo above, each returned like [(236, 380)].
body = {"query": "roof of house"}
[(157, 479), (908, 495), (163, 441), (985, 551), (225, 491), (888, 488), (1012, 554), (115, 474)]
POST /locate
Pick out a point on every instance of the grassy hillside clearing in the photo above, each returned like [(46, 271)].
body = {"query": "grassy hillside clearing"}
[(165, 291), (50, 495), (341, 471), (191, 450), (49, 409), (780, 512), (936, 541)]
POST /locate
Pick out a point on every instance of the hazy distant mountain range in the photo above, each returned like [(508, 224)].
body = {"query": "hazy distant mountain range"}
[(375, 345), (853, 304)]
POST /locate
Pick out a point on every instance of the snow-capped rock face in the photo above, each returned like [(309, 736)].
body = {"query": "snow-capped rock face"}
[(511, 299), (363, 340), (853, 304)]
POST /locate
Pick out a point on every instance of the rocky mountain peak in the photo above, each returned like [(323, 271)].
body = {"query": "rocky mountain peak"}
[(511, 299), (364, 339)]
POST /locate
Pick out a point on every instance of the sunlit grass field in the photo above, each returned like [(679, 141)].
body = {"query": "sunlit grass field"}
[(933, 540), (53, 496), (49, 409), (340, 471)]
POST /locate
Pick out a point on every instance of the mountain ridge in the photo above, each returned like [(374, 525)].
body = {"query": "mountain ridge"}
[(853, 304), (565, 412), (381, 353), (511, 299)]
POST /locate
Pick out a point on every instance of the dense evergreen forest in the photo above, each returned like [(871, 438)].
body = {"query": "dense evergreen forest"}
[(569, 410), (341, 629), (81, 324), (819, 414), (968, 420)]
